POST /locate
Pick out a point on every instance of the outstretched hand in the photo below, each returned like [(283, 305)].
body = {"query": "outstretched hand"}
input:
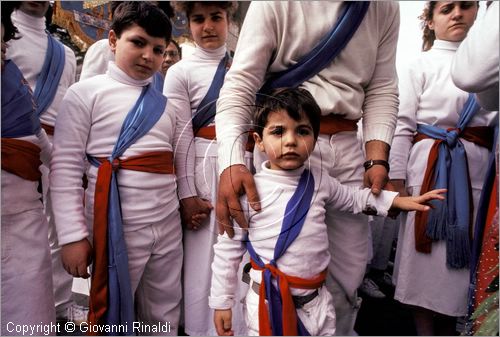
[(235, 181), (418, 203)]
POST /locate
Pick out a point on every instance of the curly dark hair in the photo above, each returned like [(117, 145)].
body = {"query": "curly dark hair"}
[(10, 30)]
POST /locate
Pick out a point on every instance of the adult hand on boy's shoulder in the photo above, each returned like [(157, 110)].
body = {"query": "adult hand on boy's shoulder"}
[(76, 257), (235, 181), (223, 322)]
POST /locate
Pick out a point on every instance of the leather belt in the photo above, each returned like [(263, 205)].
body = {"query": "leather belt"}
[(332, 124)]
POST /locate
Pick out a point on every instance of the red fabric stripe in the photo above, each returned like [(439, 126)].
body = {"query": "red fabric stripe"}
[(21, 158)]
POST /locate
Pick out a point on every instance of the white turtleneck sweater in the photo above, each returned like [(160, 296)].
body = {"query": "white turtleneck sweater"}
[(186, 84), (360, 83), (428, 96), (308, 255), (89, 122), (28, 53)]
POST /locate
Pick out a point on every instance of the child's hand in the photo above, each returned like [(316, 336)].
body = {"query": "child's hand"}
[(222, 321), (194, 211), (418, 203), (76, 256)]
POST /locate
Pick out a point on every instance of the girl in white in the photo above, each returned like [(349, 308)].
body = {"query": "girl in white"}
[(186, 84), (428, 96)]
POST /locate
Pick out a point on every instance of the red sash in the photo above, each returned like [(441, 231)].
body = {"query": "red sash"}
[(154, 162), (289, 312), (479, 135), (21, 158), (208, 132)]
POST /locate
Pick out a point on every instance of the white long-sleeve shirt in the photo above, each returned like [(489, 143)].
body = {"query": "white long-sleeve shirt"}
[(428, 96), (28, 53), (475, 66), (308, 255), (96, 59), (89, 122), (360, 82), (186, 84)]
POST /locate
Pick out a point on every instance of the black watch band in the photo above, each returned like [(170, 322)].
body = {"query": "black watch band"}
[(369, 163)]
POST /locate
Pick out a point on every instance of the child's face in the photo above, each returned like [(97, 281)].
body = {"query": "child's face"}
[(137, 53), (452, 19), (209, 26), (287, 142)]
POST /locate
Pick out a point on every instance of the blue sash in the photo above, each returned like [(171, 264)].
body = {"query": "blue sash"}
[(19, 118), (324, 52), (49, 77), (146, 112), (158, 81), (450, 219), (294, 218), (206, 109)]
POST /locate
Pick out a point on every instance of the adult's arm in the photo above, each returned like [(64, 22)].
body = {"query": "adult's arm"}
[(380, 105), (235, 107), (475, 65)]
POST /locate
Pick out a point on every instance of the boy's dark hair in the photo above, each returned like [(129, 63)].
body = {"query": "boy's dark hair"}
[(187, 6), (144, 14), (297, 102), (10, 30)]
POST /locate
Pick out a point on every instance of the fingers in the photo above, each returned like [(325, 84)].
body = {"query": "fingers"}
[(376, 178), (252, 194), (222, 216)]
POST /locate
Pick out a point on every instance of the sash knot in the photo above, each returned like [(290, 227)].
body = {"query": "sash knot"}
[(452, 135), (116, 164)]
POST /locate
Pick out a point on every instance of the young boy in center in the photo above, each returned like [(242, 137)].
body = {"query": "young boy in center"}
[(287, 240), (118, 121)]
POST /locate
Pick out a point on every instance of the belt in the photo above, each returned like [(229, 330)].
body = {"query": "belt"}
[(299, 301), (208, 132), (332, 124)]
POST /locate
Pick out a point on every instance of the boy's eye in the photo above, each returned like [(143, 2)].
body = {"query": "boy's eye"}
[(304, 131), (277, 130), (138, 43), (217, 18), (197, 19), (159, 51)]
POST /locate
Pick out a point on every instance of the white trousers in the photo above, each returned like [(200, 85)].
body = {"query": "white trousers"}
[(318, 316), (27, 296)]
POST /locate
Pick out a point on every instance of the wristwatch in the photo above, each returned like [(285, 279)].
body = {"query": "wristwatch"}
[(369, 163)]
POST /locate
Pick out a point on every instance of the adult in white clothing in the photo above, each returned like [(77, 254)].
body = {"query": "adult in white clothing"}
[(437, 292), (359, 83), (28, 53), (186, 84)]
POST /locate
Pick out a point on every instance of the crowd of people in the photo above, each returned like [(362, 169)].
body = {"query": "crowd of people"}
[(229, 193)]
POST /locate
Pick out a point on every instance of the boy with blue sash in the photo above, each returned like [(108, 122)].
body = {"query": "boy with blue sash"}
[(117, 120), (50, 68), (287, 240), (27, 296)]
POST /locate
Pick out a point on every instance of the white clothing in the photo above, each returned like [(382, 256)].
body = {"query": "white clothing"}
[(361, 82), (318, 316), (186, 84), (423, 279), (27, 296), (96, 59), (275, 35), (28, 53), (475, 65), (308, 255), (91, 117)]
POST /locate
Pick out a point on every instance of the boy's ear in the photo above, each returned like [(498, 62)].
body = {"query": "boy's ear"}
[(258, 142), (112, 38)]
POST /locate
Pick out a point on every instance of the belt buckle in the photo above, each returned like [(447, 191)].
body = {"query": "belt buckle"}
[(300, 301)]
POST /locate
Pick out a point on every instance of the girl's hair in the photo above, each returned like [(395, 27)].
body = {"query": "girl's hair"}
[(10, 30), (297, 102), (144, 14), (428, 35), (187, 6)]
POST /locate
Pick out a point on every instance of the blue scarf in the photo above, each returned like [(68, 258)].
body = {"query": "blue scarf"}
[(146, 112), (206, 109), (450, 220), (49, 77), (158, 81), (324, 52), (19, 118), (294, 218)]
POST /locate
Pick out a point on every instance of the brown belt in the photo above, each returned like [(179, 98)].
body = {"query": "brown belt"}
[(332, 124), (208, 132)]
